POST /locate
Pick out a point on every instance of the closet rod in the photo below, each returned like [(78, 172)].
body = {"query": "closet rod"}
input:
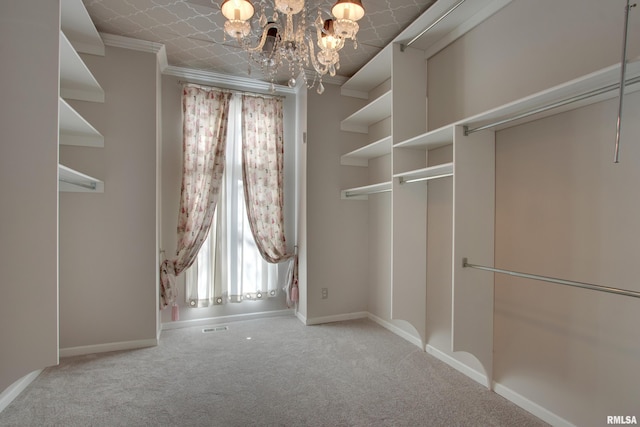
[(454, 7), (402, 180), (623, 73), (583, 285), (553, 105), (91, 186), (365, 193)]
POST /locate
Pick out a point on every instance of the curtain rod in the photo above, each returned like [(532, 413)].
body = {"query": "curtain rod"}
[(583, 285), (238, 92)]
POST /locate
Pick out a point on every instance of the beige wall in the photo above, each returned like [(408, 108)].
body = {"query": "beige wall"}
[(562, 207), (337, 245), (29, 188), (108, 253)]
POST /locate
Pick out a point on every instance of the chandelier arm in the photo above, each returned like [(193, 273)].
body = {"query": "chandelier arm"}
[(263, 39), (316, 66)]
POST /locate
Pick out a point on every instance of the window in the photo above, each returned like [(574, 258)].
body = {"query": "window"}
[(229, 267)]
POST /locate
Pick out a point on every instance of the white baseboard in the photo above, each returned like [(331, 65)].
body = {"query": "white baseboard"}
[(396, 330), (336, 318), (11, 392), (103, 348), (456, 364), (532, 407), (301, 317), (225, 319)]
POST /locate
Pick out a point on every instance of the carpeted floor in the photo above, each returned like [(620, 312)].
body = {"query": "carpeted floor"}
[(270, 372)]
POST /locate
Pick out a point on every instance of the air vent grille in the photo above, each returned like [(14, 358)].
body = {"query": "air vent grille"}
[(215, 329)]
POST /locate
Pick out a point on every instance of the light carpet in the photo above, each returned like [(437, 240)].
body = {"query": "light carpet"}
[(268, 372)]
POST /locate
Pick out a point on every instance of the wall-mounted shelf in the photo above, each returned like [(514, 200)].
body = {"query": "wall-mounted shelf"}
[(362, 193), (429, 140), (425, 174), (371, 113), (378, 70), (70, 180), (76, 24), (75, 130), (589, 89), (361, 156), (76, 81)]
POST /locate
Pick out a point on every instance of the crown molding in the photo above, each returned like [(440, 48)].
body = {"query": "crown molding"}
[(140, 45)]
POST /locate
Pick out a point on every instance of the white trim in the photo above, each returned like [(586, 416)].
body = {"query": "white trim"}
[(103, 348), (530, 406), (139, 45), (301, 317), (396, 330), (336, 318), (225, 319), (14, 390), (225, 80), (458, 365)]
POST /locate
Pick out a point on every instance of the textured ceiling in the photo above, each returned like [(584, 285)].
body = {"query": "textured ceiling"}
[(193, 35)]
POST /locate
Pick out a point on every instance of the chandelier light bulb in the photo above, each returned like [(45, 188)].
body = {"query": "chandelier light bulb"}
[(351, 10), (239, 10)]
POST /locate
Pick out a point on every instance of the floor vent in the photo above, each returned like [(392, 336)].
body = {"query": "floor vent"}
[(215, 329)]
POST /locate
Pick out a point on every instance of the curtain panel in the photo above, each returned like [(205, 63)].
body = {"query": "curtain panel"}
[(205, 116), (262, 172)]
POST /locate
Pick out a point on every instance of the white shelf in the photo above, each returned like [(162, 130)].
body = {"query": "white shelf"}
[(371, 113), (75, 130), (79, 29), (376, 71), (362, 193), (361, 156), (607, 77), (429, 140), (76, 81), (425, 174), (70, 180)]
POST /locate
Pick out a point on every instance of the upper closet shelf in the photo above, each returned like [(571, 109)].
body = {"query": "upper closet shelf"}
[(70, 180), (595, 87), (362, 193), (76, 81), (376, 71), (589, 89), (361, 156), (79, 29), (75, 130), (371, 113)]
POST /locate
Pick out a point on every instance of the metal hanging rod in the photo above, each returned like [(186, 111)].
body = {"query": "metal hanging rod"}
[(365, 193), (454, 7), (553, 105), (623, 72), (90, 186), (402, 180), (583, 285)]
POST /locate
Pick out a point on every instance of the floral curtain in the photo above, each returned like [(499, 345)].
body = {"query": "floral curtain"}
[(262, 171), (205, 116)]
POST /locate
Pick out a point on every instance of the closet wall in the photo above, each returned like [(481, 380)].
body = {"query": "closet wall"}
[(563, 209), (108, 249), (29, 31)]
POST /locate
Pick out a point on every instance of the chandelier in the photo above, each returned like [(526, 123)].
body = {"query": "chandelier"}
[(280, 35)]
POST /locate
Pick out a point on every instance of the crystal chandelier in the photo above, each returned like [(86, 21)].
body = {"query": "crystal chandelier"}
[(285, 37)]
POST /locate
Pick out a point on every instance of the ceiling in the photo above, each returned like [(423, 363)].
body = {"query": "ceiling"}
[(193, 36)]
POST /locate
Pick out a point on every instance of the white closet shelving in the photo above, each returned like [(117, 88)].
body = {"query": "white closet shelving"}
[(373, 112), (78, 34), (362, 193), (472, 142)]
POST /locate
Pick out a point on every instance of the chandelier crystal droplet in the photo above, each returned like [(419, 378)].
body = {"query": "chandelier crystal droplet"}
[(286, 42)]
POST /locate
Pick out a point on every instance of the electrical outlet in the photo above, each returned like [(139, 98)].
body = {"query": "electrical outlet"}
[(325, 293)]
